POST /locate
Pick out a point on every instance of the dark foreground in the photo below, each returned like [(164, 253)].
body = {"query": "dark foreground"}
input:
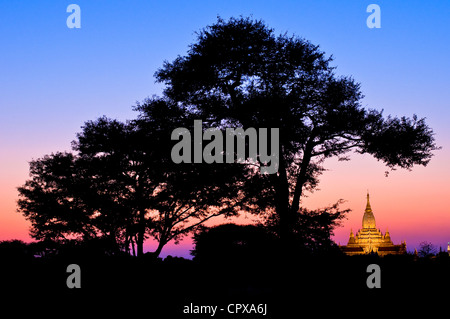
[(116, 286)]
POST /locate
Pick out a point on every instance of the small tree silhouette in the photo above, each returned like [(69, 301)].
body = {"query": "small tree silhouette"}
[(426, 249)]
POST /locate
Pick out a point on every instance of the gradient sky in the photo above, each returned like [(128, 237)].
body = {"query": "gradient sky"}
[(53, 78)]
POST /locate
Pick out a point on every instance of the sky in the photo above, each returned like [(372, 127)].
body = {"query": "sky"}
[(53, 79)]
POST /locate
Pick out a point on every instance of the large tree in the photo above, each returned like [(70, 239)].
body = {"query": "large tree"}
[(239, 73)]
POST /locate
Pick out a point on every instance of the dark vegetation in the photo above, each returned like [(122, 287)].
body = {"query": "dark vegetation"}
[(232, 264)]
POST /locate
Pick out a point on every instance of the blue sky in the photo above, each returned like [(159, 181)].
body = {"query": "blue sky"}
[(53, 78), (53, 73)]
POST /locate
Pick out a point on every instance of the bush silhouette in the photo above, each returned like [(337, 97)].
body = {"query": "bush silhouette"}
[(233, 243)]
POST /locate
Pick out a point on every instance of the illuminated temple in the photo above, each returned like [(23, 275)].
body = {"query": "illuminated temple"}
[(369, 239)]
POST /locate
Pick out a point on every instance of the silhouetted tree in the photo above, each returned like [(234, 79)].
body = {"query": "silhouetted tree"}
[(239, 73), (121, 185), (313, 229), (50, 200), (121, 175), (189, 194), (426, 249)]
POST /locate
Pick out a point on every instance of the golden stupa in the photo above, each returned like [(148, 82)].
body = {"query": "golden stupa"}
[(369, 239)]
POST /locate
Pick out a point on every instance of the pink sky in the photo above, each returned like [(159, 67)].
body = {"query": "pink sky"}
[(412, 205)]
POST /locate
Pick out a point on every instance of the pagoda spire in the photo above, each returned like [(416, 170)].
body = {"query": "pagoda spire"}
[(368, 208), (368, 218)]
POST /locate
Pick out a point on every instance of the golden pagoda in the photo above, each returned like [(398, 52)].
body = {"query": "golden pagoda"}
[(369, 239)]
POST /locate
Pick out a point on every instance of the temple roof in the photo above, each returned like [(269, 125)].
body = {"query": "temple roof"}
[(368, 218)]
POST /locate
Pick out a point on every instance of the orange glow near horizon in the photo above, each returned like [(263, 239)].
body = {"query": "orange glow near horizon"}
[(412, 205)]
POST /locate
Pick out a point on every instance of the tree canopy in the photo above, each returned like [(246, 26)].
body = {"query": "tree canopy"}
[(119, 183), (240, 73)]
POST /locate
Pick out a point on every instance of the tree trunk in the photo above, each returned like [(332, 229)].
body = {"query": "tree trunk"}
[(127, 243), (286, 210), (283, 207), (158, 250), (301, 178), (141, 234), (140, 242), (133, 245)]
